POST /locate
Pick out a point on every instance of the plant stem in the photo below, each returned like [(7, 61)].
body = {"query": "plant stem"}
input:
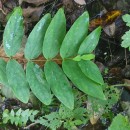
[(118, 85), (46, 60), (23, 59), (3, 11), (28, 127)]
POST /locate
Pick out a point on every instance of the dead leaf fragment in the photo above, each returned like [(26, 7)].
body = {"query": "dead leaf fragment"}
[(104, 20), (80, 2), (32, 14), (1, 8), (68, 5), (6, 6), (94, 119), (127, 81), (94, 116), (110, 29), (35, 2), (0, 4)]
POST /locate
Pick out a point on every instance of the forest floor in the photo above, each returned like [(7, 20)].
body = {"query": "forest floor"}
[(112, 60)]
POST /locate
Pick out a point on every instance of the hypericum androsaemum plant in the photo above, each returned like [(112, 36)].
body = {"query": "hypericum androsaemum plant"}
[(49, 38)]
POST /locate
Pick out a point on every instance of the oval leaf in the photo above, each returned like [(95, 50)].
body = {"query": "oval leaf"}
[(75, 36), (38, 83), (17, 80), (88, 57), (91, 71), (7, 92), (13, 33), (73, 71), (120, 122), (90, 42), (59, 83), (77, 58), (34, 43), (54, 35), (3, 77)]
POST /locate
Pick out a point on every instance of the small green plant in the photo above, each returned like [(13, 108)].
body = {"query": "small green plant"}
[(120, 122), (65, 117), (49, 38), (20, 117), (70, 119)]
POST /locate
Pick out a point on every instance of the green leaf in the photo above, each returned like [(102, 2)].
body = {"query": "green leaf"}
[(5, 113), (84, 57), (78, 122), (88, 57), (73, 71), (75, 36), (38, 83), (18, 113), (120, 123), (90, 42), (7, 92), (54, 35), (3, 77), (17, 80), (126, 18), (126, 39), (77, 58), (34, 43), (51, 121), (25, 113), (13, 33), (12, 113), (91, 71), (59, 83)]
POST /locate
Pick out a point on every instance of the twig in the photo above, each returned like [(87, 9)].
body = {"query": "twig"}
[(118, 85), (126, 61), (3, 11), (27, 127)]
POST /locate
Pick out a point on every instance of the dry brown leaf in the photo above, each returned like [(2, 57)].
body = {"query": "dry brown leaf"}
[(0, 4), (110, 29), (69, 5), (7, 7), (127, 81), (32, 14), (35, 2), (100, 66), (105, 19), (1, 8), (80, 2), (94, 117)]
